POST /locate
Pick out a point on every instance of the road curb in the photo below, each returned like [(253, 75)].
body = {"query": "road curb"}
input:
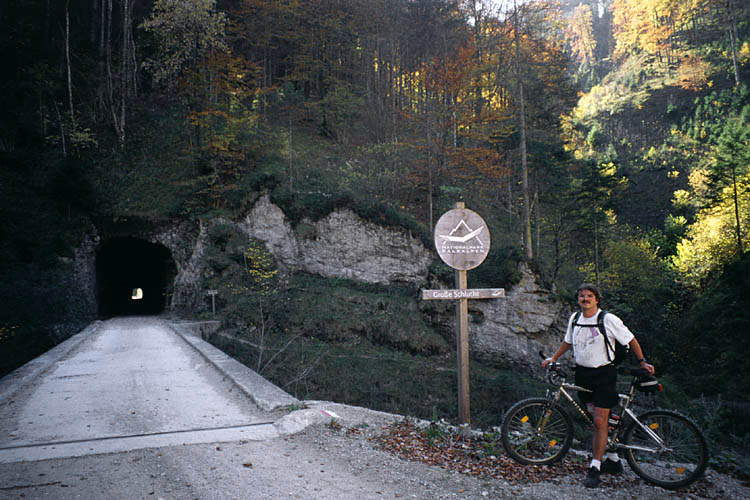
[(265, 394)]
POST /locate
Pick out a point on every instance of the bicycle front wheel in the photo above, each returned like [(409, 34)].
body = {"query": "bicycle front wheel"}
[(535, 433), (669, 450)]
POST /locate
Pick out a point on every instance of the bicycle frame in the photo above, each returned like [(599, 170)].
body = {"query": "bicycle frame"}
[(614, 435)]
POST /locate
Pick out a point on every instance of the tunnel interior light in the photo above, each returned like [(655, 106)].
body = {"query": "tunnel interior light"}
[(137, 294)]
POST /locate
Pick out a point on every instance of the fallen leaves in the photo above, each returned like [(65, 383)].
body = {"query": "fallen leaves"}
[(474, 456), (483, 456)]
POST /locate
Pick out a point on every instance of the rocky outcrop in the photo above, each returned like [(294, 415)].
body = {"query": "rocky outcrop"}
[(513, 330), (341, 245)]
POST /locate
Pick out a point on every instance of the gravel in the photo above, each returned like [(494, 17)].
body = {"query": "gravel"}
[(360, 452), (335, 456)]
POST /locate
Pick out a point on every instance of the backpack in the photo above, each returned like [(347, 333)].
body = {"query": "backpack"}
[(621, 351)]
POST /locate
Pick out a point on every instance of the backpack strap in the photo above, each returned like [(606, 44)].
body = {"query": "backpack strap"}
[(600, 327), (603, 331)]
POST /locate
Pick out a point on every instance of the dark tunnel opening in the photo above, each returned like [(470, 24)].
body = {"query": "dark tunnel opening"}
[(133, 277)]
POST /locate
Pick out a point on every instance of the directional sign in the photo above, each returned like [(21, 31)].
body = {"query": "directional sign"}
[(462, 239), (470, 293)]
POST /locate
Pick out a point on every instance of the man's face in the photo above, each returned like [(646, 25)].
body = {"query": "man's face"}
[(587, 301)]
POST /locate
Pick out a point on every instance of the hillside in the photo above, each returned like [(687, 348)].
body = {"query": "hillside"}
[(600, 142)]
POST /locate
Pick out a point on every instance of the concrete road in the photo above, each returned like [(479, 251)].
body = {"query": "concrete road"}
[(140, 408), (129, 383)]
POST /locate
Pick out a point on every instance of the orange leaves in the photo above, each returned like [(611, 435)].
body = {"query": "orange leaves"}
[(692, 73), (450, 75)]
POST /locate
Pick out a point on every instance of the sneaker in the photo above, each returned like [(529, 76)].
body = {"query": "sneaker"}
[(592, 478), (609, 466)]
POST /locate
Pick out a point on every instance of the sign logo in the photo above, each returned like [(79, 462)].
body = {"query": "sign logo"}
[(462, 239)]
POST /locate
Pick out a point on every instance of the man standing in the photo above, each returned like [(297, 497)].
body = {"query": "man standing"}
[(595, 371)]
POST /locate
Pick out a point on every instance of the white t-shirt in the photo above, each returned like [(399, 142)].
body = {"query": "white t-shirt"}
[(589, 348)]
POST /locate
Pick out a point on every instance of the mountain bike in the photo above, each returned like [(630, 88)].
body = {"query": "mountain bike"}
[(663, 447)]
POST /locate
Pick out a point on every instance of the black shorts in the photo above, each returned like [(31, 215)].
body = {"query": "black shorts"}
[(602, 381)]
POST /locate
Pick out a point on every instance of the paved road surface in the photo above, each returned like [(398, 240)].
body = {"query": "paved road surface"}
[(134, 382), (139, 408)]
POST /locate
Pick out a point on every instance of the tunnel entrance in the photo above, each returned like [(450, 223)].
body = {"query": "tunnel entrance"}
[(133, 277)]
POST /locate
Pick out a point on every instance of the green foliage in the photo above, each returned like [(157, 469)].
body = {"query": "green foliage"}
[(341, 310), (244, 273), (634, 273), (184, 33), (500, 269), (710, 243), (711, 110), (709, 342)]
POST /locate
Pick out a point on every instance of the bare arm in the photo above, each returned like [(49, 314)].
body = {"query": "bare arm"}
[(638, 353), (560, 351)]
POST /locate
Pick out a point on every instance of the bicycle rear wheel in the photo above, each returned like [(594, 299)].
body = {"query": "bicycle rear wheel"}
[(534, 433), (680, 458)]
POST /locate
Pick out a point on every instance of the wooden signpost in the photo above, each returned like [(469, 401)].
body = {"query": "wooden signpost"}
[(213, 294), (462, 240)]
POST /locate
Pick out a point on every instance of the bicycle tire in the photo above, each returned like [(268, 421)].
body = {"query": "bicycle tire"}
[(522, 440), (681, 464)]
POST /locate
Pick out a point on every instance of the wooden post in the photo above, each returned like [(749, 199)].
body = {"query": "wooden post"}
[(462, 351), (213, 294)]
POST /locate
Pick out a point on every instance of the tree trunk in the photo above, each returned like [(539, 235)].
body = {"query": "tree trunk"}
[(124, 73), (596, 249), (68, 66), (733, 39), (429, 171), (527, 244)]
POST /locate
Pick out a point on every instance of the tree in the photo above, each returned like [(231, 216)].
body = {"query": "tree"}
[(731, 164), (579, 33), (594, 185), (185, 32)]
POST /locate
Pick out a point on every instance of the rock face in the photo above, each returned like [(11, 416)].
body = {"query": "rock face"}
[(342, 245), (516, 328)]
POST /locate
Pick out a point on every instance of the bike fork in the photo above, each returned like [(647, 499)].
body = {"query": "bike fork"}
[(547, 413)]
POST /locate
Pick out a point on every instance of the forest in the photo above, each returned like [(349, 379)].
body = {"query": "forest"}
[(602, 140)]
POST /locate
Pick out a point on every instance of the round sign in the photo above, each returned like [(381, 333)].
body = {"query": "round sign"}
[(462, 239)]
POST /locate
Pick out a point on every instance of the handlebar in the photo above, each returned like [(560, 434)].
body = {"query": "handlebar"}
[(555, 373)]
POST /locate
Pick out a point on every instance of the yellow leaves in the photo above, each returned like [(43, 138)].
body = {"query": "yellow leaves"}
[(692, 73), (744, 53), (607, 169), (711, 241), (260, 267)]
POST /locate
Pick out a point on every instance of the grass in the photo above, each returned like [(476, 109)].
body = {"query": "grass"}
[(358, 372)]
